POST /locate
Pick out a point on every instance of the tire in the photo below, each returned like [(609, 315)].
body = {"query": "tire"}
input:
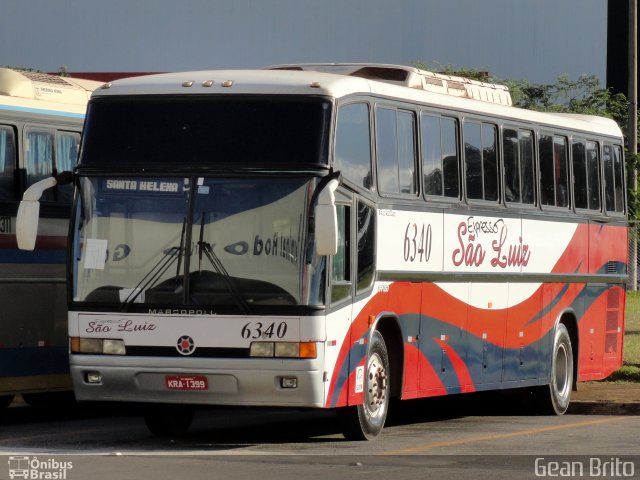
[(554, 399), (365, 421), (5, 401), (49, 399), (168, 421)]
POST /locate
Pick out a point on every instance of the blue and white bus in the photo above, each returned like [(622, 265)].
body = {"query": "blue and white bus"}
[(41, 118)]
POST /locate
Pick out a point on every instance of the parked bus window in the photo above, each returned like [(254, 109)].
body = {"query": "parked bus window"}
[(366, 246), (439, 155), (586, 175), (593, 171), (66, 156), (614, 178), (481, 161), (396, 157), (518, 166), (39, 158), (341, 262), (554, 188), (7, 162), (353, 145)]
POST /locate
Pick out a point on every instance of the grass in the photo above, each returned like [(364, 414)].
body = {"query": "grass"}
[(630, 371)]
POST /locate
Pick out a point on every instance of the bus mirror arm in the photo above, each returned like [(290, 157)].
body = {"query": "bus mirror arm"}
[(29, 211), (326, 220)]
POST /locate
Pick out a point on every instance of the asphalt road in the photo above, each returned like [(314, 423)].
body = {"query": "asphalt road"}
[(439, 438)]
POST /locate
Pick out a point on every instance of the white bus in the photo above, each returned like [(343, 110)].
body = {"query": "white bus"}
[(333, 236), (41, 119)]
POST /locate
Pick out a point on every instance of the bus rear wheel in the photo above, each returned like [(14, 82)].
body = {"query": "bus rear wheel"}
[(166, 421), (553, 399), (365, 421)]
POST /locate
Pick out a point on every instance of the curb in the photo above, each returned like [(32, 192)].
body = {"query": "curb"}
[(603, 408)]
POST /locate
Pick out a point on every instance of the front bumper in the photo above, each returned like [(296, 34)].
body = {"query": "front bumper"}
[(247, 382)]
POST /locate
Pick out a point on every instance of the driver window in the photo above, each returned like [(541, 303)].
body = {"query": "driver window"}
[(341, 261)]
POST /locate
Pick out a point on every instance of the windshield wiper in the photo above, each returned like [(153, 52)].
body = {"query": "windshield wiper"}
[(171, 255), (207, 249)]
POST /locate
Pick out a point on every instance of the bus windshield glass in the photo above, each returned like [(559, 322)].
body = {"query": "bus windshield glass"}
[(207, 131), (196, 241)]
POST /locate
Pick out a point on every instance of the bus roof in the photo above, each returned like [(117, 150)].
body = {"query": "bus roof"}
[(26, 89), (341, 80)]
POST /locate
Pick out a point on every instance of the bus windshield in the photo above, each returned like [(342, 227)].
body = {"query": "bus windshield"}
[(207, 130), (196, 241)]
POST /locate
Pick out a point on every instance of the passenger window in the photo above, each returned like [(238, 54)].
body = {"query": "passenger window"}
[(7, 162), (366, 246), (66, 157), (614, 178), (340, 262), (66, 151), (553, 170), (39, 158), (481, 161), (518, 166), (439, 155), (407, 167), (593, 172), (396, 153), (586, 175), (579, 175), (353, 144)]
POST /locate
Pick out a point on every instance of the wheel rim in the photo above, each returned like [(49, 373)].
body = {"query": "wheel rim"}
[(377, 385), (562, 379)]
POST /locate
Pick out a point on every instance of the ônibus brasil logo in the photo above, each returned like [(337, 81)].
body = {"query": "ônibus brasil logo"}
[(36, 469)]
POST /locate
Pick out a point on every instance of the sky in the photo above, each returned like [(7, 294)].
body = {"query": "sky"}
[(533, 39)]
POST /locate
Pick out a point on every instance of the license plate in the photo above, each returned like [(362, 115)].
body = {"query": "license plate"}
[(186, 382)]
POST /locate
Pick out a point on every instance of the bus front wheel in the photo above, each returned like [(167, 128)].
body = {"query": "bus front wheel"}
[(553, 399), (166, 421), (365, 421), (5, 401)]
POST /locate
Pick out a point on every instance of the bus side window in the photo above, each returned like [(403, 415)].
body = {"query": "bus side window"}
[(593, 174), (396, 151), (341, 261), (554, 188), (518, 166), (353, 144), (366, 247), (586, 175), (579, 174), (613, 177), (66, 158), (7, 162), (439, 155), (39, 158), (481, 161)]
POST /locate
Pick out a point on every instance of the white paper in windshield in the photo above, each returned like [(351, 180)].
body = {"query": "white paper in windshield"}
[(95, 255)]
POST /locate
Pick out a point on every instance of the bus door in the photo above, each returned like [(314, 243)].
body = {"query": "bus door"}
[(340, 301)]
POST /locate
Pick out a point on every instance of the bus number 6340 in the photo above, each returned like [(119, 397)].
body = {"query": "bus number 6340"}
[(417, 242), (259, 330)]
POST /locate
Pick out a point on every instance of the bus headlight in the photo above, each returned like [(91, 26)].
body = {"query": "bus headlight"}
[(283, 349), (97, 346)]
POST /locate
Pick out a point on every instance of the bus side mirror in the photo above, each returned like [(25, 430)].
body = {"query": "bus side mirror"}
[(28, 213), (326, 218)]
